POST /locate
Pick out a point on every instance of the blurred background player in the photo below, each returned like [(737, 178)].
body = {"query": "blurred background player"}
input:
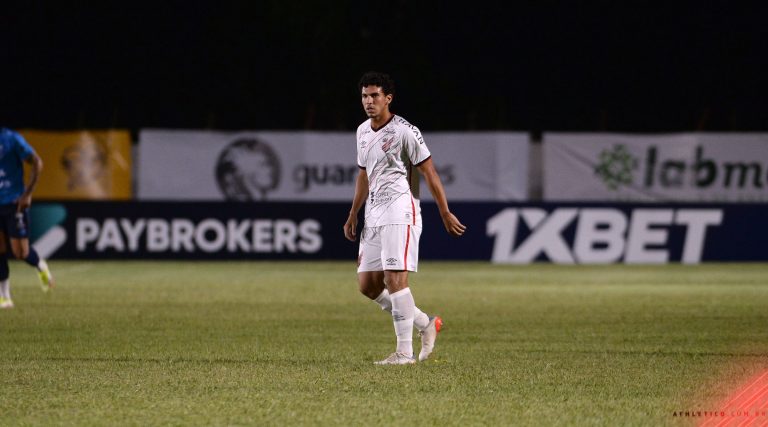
[(388, 148), (15, 200)]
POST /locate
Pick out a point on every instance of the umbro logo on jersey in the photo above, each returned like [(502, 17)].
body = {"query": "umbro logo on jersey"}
[(391, 261)]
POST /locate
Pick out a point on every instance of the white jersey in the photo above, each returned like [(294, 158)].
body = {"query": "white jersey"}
[(388, 156)]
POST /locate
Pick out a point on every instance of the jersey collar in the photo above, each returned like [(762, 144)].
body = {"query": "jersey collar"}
[(384, 125)]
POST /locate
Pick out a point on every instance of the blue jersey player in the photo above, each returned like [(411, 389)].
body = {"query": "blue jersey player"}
[(15, 199)]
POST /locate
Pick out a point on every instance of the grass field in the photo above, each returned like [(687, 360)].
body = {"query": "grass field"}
[(257, 343)]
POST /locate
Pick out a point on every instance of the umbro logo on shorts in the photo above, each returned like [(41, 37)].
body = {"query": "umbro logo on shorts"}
[(391, 261)]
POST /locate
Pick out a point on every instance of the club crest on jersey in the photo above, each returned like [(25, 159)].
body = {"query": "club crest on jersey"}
[(387, 144)]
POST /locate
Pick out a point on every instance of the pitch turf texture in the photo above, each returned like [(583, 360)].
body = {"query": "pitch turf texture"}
[(257, 343)]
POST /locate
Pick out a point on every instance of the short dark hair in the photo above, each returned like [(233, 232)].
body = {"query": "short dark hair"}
[(382, 80)]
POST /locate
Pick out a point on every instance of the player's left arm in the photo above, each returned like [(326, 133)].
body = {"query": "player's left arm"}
[(36, 163), (435, 185)]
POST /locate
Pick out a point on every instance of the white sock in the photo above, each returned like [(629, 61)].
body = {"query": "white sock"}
[(420, 319), (402, 316), (384, 301), (5, 288)]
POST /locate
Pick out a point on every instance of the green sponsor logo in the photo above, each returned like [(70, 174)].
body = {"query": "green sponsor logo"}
[(615, 166)]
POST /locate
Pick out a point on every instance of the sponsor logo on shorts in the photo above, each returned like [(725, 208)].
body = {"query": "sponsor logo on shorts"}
[(21, 226), (392, 261)]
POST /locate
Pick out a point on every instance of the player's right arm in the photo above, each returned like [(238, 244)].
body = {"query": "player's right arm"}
[(361, 192)]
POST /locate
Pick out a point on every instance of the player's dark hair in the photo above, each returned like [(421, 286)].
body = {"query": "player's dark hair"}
[(375, 78)]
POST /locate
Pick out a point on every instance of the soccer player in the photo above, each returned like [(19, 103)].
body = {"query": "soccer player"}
[(15, 199), (388, 150)]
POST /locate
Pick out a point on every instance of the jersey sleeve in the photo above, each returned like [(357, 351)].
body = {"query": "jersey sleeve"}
[(20, 146), (415, 146), (360, 159)]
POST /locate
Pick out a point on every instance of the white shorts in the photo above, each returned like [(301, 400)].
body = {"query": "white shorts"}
[(389, 247)]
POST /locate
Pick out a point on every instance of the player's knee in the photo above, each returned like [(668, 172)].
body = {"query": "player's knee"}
[(396, 281), (20, 255), (369, 291)]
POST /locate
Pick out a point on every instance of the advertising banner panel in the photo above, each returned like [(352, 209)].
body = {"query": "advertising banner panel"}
[(697, 167), (497, 232), (83, 165), (183, 230), (315, 166)]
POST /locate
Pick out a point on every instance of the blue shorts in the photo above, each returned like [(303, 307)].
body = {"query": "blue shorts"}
[(15, 224)]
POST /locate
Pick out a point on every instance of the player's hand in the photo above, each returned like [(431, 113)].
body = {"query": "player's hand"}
[(23, 202), (350, 228), (452, 225)]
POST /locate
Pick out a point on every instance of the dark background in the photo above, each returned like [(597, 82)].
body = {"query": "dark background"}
[(294, 65)]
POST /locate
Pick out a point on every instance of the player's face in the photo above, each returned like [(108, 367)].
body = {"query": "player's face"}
[(375, 102)]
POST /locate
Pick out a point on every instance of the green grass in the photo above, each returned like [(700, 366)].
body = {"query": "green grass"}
[(283, 343)]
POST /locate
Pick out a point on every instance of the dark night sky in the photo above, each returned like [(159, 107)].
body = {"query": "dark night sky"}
[(294, 65)]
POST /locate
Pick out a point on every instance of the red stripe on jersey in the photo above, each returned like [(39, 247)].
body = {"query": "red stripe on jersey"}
[(405, 256), (413, 210)]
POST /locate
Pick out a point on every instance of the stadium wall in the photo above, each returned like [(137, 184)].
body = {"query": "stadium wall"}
[(521, 233), (609, 198)]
